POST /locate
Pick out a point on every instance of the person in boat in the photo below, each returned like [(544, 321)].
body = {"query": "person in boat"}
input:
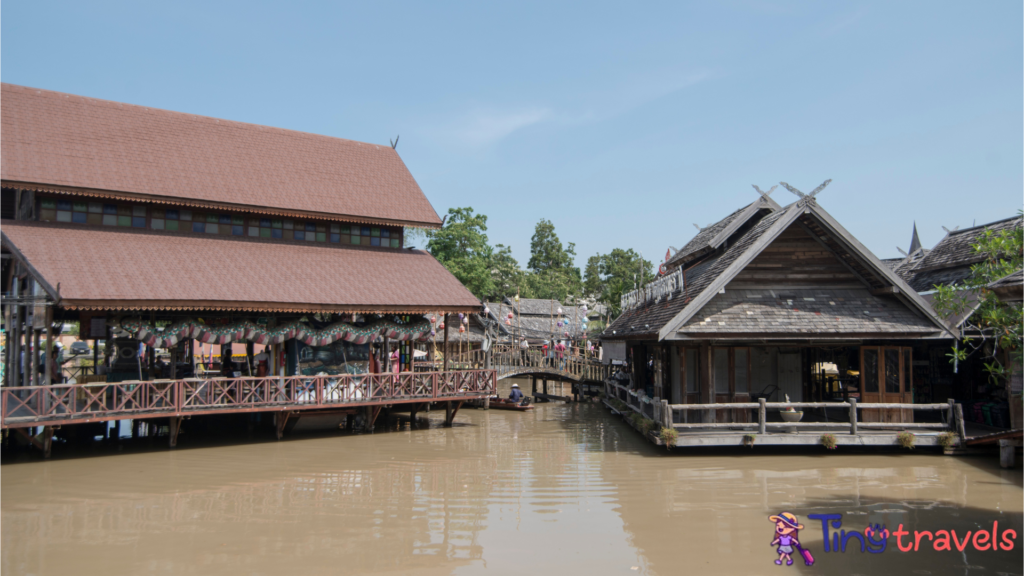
[(516, 395)]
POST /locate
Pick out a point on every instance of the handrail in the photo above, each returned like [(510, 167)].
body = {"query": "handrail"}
[(28, 405), (664, 413)]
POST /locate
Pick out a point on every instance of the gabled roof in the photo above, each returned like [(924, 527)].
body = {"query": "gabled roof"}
[(950, 261), (141, 269), (713, 236), (705, 280), (76, 145)]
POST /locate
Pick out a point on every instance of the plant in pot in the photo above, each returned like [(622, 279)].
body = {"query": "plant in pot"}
[(789, 414)]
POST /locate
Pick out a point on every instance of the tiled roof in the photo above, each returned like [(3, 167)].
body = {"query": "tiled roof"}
[(800, 311), (956, 248), (704, 236), (1014, 279), (884, 316), (65, 140), (146, 269)]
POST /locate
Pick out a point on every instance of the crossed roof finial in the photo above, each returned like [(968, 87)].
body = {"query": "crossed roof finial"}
[(763, 194), (807, 198)]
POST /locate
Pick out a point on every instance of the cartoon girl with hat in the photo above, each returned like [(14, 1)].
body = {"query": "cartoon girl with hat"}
[(787, 528)]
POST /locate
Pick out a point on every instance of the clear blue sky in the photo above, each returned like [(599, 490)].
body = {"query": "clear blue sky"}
[(622, 123)]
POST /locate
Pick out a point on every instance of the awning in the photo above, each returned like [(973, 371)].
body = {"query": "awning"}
[(97, 269)]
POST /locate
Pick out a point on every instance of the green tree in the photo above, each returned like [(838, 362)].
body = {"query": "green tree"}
[(507, 277), (461, 246), (554, 274), (611, 275), (994, 329)]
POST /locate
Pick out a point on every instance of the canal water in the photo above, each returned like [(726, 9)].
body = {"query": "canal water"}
[(564, 489)]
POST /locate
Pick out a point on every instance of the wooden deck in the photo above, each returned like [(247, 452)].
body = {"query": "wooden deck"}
[(763, 432)]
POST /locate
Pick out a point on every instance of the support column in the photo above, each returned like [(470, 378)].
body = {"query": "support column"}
[(707, 387), (47, 441), (445, 368), (448, 411), (174, 430), (1007, 451), (36, 337), (853, 416), (762, 414)]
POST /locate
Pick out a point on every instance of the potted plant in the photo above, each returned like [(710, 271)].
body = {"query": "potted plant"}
[(789, 414)]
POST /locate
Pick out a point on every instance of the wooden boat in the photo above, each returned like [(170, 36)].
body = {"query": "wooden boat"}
[(506, 404)]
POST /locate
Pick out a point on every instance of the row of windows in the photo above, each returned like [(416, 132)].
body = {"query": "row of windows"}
[(128, 216)]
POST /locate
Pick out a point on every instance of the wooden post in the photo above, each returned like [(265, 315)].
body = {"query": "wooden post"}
[(281, 422), (174, 430), (48, 442), (448, 416), (445, 365), (960, 424), (50, 357), (853, 416), (762, 413), (707, 387), (666, 415), (951, 416), (36, 337), (14, 336), (1006, 453)]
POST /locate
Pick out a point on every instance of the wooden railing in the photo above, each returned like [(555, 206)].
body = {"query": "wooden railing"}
[(507, 360), (68, 403), (674, 415)]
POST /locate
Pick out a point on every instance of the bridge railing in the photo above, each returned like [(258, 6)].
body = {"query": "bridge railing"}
[(33, 405), (509, 359)]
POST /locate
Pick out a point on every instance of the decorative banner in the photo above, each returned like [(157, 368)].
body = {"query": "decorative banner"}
[(396, 328)]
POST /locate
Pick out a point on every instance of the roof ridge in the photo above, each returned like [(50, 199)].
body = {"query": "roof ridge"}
[(961, 231)]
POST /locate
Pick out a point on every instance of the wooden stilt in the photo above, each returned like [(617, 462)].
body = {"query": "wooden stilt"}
[(280, 421), (1007, 449), (451, 409), (47, 441), (853, 416), (174, 430)]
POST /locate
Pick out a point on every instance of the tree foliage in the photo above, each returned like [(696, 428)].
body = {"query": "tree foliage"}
[(994, 327), (609, 276), (461, 246), (554, 274)]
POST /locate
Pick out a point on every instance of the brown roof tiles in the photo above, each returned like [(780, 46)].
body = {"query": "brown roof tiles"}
[(64, 140), (111, 269)]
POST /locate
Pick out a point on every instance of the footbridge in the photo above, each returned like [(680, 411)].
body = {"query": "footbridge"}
[(509, 362)]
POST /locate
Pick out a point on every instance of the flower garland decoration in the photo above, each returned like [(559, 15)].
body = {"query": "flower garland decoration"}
[(395, 328)]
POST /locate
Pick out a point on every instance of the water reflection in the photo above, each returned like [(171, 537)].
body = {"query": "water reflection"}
[(562, 489)]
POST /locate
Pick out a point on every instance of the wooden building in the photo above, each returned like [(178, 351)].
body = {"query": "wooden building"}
[(166, 228), (986, 402), (774, 301)]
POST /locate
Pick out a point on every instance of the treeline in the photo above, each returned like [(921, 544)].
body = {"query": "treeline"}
[(492, 273)]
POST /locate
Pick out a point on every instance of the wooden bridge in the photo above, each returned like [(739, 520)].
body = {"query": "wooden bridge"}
[(59, 405), (511, 362)]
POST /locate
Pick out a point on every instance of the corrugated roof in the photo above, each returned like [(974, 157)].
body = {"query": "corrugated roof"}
[(65, 140), (146, 269)]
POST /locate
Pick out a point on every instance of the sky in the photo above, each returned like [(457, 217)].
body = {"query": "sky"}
[(622, 123)]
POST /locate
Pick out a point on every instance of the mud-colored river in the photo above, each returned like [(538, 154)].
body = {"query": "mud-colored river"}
[(565, 489)]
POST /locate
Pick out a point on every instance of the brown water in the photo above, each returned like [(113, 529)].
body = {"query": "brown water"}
[(565, 489)]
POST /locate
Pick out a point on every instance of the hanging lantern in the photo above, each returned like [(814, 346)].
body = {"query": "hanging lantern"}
[(583, 308), (433, 319), (433, 332), (487, 310), (460, 315), (559, 311), (517, 297), (566, 334), (510, 316), (559, 323), (462, 328), (465, 320), (440, 326), (508, 322)]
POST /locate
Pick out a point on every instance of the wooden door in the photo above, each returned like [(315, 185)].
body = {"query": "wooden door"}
[(886, 378)]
